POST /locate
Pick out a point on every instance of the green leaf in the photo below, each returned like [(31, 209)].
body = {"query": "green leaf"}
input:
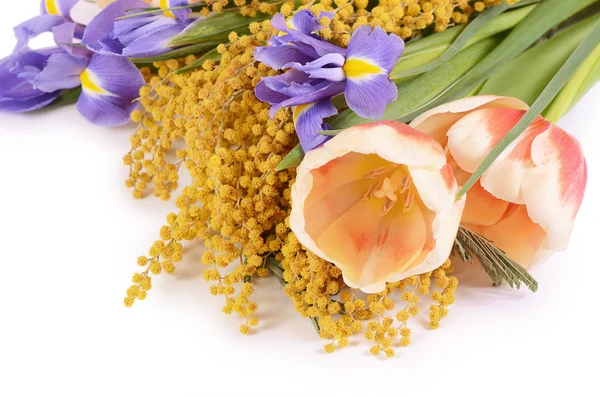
[(215, 28), (66, 97), (546, 15), (586, 76), (465, 35), (526, 76), (416, 93), (493, 260), (424, 50), (292, 159), (178, 53), (212, 55), (154, 10), (556, 84)]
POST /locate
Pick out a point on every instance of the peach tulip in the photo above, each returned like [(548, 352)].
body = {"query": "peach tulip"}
[(378, 201), (526, 202)]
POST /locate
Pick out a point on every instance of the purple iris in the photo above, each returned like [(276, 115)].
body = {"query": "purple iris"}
[(137, 36), (31, 79), (318, 70)]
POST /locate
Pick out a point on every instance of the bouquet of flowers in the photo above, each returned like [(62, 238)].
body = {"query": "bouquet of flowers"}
[(358, 151)]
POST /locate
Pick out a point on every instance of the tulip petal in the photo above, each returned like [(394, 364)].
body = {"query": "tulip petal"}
[(504, 177), (517, 235), (482, 208), (445, 227), (437, 188), (369, 247), (554, 190), (437, 121), (474, 136), (392, 141)]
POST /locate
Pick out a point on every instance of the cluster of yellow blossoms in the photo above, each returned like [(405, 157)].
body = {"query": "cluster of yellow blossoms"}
[(209, 120)]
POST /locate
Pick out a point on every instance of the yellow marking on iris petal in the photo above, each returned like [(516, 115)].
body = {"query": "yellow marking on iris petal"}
[(298, 110), (358, 68), (164, 4), (52, 8), (88, 82)]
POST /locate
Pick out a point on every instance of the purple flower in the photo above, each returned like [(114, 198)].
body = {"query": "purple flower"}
[(138, 36), (17, 71), (319, 70), (31, 79), (57, 7)]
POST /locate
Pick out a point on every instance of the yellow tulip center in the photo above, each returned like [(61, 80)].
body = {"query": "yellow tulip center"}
[(391, 183)]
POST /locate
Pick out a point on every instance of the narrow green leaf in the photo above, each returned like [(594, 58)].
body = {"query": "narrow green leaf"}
[(424, 50), (212, 55), (526, 76), (558, 81), (586, 76), (215, 28), (546, 15), (465, 35), (416, 93), (66, 97), (292, 159), (178, 53), (154, 10)]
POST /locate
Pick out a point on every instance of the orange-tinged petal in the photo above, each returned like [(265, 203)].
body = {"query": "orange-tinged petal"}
[(322, 210), (437, 188), (482, 208), (517, 235), (504, 177), (369, 247), (390, 140), (445, 227), (474, 136), (374, 201), (342, 170), (554, 190), (437, 121)]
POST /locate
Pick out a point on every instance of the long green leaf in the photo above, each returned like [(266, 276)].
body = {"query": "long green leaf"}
[(215, 27), (411, 95), (178, 53), (586, 76), (556, 84), (526, 76), (546, 15), (66, 97), (292, 159), (463, 38), (424, 50), (417, 92)]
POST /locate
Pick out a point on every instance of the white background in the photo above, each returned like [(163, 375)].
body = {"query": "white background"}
[(70, 233)]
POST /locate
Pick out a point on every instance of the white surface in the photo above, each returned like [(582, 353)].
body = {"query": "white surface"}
[(70, 233)]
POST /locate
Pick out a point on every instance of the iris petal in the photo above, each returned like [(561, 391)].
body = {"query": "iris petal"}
[(61, 72), (110, 87), (308, 119)]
